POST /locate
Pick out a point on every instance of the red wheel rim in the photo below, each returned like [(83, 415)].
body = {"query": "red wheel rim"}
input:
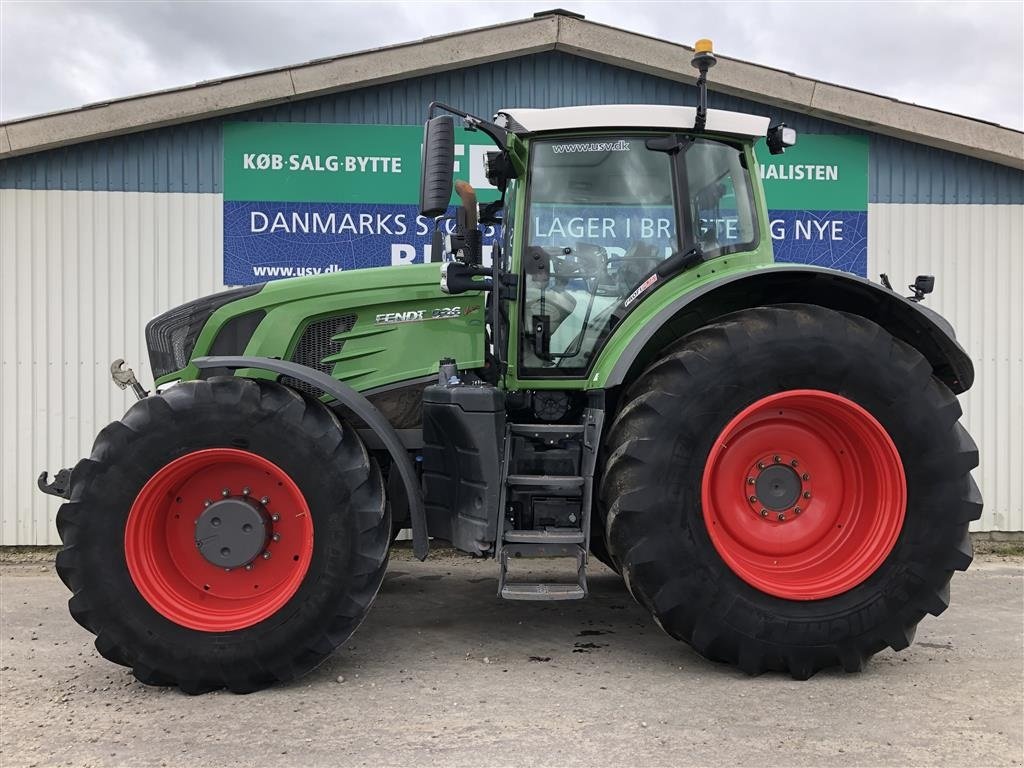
[(804, 494), (167, 565)]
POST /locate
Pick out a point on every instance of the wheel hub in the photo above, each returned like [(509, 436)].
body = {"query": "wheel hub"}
[(778, 487), (232, 532)]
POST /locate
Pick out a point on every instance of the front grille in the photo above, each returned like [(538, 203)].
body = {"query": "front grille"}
[(314, 345)]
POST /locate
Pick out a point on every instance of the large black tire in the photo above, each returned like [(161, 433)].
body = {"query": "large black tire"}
[(347, 553), (660, 442)]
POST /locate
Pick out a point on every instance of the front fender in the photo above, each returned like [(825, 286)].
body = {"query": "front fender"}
[(922, 328), (361, 407)]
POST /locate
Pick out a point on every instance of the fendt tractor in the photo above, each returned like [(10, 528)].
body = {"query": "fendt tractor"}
[(769, 454)]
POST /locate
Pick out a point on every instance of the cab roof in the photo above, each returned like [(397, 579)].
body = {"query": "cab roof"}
[(641, 116)]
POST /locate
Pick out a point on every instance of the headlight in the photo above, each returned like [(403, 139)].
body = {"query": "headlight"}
[(171, 337)]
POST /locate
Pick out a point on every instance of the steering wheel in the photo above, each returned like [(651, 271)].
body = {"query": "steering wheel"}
[(586, 261), (638, 262)]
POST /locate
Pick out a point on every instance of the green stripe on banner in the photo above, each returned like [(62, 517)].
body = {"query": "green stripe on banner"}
[(821, 173), (325, 163)]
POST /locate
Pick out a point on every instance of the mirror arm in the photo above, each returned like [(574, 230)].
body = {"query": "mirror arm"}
[(496, 133)]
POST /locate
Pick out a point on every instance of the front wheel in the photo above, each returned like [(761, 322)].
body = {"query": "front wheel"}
[(789, 489), (225, 533)]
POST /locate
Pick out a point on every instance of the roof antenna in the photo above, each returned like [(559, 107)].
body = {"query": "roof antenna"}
[(703, 59)]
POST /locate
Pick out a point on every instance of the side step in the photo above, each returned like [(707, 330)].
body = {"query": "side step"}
[(551, 543), (547, 482), (528, 591)]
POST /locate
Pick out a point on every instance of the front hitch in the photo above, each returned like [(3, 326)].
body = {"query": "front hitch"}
[(60, 487), (125, 377)]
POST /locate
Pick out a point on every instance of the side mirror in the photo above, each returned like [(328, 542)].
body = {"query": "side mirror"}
[(437, 165), (780, 137)]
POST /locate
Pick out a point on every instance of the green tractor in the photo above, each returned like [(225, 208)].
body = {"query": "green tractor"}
[(769, 454)]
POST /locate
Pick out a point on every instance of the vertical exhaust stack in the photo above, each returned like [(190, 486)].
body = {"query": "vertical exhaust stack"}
[(703, 60)]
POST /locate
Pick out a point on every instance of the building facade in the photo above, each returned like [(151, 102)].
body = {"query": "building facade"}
[(111, 215)]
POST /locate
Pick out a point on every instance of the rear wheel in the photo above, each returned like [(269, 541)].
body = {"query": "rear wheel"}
[(789, 489), (226, 533)]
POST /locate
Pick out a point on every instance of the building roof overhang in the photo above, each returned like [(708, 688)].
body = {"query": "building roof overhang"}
[(545, 32)]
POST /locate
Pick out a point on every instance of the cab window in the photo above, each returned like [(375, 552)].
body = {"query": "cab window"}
[(602, 214)]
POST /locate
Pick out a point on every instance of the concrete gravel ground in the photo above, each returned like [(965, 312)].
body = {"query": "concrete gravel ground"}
[(444, 673)]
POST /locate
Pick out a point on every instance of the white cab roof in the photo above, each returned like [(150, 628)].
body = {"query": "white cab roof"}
[(629, 116)]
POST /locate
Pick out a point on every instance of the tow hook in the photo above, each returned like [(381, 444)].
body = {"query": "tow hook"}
[(61, 485), (125, 377)]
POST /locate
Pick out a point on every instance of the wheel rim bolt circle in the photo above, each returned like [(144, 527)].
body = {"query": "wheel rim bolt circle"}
[(763, 464)]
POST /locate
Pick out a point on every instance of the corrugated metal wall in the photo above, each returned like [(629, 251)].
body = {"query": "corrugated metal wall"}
[(976, 255), (97, 238), (80, 274)]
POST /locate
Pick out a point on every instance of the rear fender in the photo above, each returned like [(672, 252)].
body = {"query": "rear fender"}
[(922, 328)]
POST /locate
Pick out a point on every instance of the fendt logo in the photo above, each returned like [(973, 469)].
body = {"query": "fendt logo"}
[(419, 315), (400, 317)]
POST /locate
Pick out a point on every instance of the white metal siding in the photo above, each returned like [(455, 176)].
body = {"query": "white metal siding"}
[(82, 272), (80, 275), (976, 253)]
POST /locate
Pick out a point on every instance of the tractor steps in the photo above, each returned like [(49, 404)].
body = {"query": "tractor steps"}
[(546, 497)]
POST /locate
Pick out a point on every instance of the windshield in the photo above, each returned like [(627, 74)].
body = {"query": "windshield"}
[(601, 216)]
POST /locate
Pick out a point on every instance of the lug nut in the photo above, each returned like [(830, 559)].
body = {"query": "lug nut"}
[(797, 510), (794, 462), (276, 537), (225, 493), (760, 465), (245, 491), (782, 516), (753, 499), (266, 555), (750, 481), (275, 517), (806, 476), (207, 503), (764, 513), (777, 459), (199, 544), (227, 570), (807, 494), (248, 567), (265, 500)]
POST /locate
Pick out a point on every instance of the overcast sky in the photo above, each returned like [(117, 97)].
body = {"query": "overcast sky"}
[(965, 57)]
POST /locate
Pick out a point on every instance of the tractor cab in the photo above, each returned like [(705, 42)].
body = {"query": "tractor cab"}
[(600, 207)]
